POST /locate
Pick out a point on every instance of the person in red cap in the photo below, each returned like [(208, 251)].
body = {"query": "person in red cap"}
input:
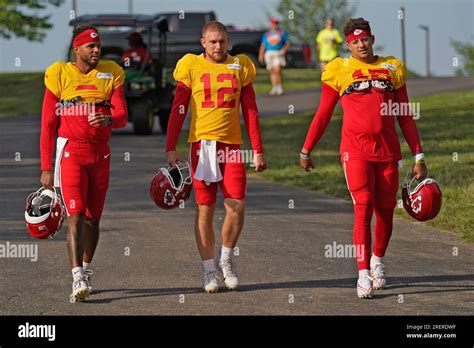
[(274, 45), (83, 101), (372, 90), (137, 53)]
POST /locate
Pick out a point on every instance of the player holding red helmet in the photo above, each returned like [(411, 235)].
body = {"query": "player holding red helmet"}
[(370, 148), (215, 84), (83, 101), (422, 202), (44, 213), (170, 187)]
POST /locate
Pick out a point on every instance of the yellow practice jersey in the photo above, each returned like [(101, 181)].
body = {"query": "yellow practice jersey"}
[(342, 72), (66, 81), (328, 41), (215, 97)]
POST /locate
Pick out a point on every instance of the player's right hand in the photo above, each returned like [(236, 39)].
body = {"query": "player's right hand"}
[(97, 119), (260, 162), (172, 157), (47, 179), (261, 59), (307, 164)]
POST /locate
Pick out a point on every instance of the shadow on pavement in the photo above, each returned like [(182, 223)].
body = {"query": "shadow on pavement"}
[(406, 283), (140, 293)]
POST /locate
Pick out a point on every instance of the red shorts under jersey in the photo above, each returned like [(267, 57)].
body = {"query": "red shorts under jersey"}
[(84, 178), (234, 182)]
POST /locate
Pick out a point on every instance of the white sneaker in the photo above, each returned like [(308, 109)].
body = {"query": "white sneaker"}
[(210, 282), (87, 279), (230, 278), (279, 91), (80, 291), (272, 91), (364, 287), (377, 274)]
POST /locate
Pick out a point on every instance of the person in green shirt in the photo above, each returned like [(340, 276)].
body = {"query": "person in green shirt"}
[(327, 43)]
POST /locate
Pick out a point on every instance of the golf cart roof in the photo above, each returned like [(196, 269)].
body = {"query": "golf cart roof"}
[(116, 20)]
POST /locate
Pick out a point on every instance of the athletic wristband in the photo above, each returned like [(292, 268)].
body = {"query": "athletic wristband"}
[(305, 156), (419, 158)]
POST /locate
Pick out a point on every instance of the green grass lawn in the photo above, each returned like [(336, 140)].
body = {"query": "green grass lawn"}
[(22, 93), (293, 79)]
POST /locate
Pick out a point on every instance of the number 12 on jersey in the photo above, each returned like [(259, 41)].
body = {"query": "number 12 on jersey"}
[(208, 102)]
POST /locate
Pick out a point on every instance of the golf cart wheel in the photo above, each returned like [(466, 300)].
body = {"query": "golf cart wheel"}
[(143, 117)]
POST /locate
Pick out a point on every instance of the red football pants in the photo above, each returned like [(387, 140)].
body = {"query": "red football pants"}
[(373, 187), (85, 169), (234, 182)]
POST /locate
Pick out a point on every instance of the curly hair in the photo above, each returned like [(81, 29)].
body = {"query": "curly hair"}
[(356, 23), (79, 29)]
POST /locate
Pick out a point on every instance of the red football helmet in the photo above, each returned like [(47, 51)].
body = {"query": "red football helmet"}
[(44, 213), (424, 201), (170, 186)]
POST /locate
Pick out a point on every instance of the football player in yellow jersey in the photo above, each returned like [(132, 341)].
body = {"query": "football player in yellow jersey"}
[(215, 84), (372, 91), (83, 101)]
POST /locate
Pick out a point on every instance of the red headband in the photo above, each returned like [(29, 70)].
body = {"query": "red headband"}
[(89, 35), (357, 34)]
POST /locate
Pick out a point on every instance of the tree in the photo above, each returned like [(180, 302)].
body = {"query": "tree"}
[(466, 51), (21, 18), (303, 19)]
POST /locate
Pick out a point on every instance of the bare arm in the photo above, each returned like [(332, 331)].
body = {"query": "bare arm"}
[(285, 47), (261, 52)]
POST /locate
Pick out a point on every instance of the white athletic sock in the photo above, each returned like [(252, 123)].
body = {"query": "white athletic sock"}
[(209, 265), (86, 265), (374, 260), (364, 273), (77, 272), (226, 253)]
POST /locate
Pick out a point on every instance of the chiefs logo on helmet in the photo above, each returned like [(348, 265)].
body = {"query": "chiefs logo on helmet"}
[(169, 198), (424, 201), (44, 213), (171, 186)]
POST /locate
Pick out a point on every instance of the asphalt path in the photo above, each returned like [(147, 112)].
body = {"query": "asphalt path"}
[(147, 261)]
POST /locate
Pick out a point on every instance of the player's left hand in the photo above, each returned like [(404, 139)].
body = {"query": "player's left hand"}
[(420, 171), (97, 119), (260, 162)]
